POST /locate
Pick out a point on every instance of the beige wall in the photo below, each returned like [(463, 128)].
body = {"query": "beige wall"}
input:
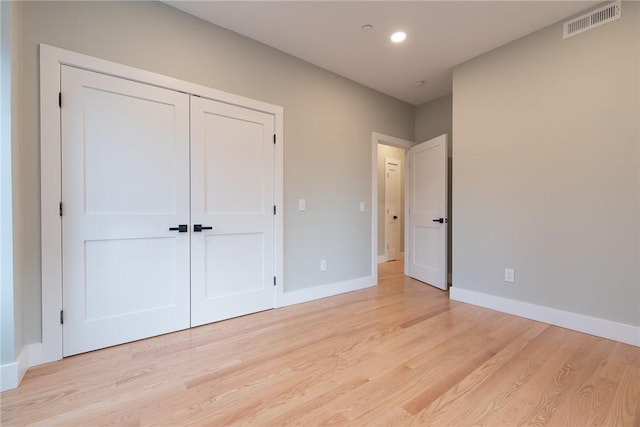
[(328, 123), (384, 152), (546, 172)]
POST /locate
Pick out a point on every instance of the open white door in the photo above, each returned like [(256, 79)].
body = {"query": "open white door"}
[(232, 211), (125, 181), (427, 222)]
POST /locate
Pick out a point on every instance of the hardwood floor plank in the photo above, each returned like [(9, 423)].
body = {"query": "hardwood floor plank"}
[(398, 354), (506, 364)]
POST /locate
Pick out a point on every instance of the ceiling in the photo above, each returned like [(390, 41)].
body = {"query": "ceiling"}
[(440, 35)]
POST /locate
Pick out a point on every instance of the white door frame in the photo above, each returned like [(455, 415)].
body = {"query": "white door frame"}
[(379, 138), (51, 59)]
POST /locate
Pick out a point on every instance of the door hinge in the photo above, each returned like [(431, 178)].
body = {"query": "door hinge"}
[(61, 317), (274, 280), (274, 138), (60, 208), (60, 99), (274, 209)]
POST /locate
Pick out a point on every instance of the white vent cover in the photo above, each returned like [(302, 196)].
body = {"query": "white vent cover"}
[(595, 18)]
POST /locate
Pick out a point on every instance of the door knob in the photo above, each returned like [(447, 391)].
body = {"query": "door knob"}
[(198, 228), (182, 228), (395, 217), (440, 220)]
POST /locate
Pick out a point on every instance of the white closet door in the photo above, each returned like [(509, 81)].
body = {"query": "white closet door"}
[(232, 192), (125, 183)]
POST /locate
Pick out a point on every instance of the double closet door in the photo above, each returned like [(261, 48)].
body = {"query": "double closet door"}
[(167, 210)]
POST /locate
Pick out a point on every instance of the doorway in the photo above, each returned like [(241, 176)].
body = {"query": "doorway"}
[(391, 218), (385, 147), (418, 250)]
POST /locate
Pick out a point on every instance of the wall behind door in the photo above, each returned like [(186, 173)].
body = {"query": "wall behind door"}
[(328, 124)]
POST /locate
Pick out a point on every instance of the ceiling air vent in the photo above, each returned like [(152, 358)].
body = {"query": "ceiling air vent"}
[(595, 18)]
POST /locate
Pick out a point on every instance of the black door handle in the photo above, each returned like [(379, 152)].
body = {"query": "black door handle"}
[(198, 228), (395, 217), (440, 220), (182, 228)]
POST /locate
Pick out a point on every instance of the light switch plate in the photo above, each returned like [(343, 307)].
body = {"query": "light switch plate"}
[(361, 206), (302, 204)]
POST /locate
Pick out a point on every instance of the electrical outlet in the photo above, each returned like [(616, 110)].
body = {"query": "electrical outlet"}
[(509, 275), (323, 265)]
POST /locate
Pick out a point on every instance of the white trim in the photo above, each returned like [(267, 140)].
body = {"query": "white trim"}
[(36, 355), (279, 201), (11, 373), (621, 332), (50, 196), (379, 138), (328, 290), (51, 59)]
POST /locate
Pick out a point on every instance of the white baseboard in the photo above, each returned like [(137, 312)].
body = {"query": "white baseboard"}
[(323, 291), (11, 373), (621, 332), (37, 356)]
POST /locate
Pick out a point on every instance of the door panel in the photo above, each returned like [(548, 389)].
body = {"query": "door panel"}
[(234, 158), (115, 139), (232, 191), (234, 264), (119, 280), (428, 202), (125, 180)]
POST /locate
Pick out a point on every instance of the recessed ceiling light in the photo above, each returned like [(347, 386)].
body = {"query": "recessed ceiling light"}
[(418, 83), (367, 27), (398, 37)]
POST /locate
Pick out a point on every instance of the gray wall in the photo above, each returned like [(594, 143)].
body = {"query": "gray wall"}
[(11, 317), (432, 119), (328, 123), (6, 227), (546, 176), (387, 151)]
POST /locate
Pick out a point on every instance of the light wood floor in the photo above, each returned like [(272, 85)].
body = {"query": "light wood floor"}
[(401, 353)]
